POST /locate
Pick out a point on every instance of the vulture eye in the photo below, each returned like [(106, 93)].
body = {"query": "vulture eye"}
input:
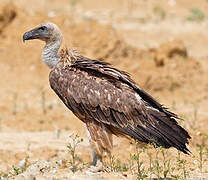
[(42, 28)]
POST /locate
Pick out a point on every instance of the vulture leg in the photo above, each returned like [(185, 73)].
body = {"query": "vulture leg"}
[(101, 142)]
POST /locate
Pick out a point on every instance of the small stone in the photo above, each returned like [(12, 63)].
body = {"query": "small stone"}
[(60, 162), (22, 163)]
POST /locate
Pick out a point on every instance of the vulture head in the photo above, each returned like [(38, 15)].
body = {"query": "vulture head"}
[(47, 32), (52, 36)]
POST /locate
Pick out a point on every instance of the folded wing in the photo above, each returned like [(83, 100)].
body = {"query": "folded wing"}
[(94, 90)]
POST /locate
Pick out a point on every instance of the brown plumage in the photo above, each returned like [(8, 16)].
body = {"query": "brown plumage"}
[(94, 90), (109, 102)]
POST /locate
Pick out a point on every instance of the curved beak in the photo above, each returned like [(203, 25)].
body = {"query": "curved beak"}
[(33, 34), (36, 34)]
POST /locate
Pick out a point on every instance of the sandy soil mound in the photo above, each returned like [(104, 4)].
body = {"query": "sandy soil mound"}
[(171, 50), (102, 42), (7, 14)]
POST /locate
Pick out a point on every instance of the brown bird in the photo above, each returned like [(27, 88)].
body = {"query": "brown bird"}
[(106, 99)]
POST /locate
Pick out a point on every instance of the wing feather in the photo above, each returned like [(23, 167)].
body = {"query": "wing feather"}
[(99, 92)]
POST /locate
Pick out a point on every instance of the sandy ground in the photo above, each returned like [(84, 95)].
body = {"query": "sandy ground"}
[(162, 44)]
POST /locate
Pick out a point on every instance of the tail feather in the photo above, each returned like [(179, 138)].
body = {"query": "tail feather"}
[(164, 131)]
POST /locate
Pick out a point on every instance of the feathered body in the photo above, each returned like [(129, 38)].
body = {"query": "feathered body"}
[(106, 99), (103, 96)]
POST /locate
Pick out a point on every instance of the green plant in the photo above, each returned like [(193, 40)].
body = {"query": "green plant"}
[(116, 166), (150, 169), (131, 163), (157, 167), (202, 147), (4, 176), (181, 166), (196, 15), (73, 2), (166, 163), (141, 174), (160, 12), (18, 170), (76, 140)]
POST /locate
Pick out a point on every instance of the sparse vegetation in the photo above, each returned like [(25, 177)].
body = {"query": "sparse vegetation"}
[(73, 2), (18, 170), (115, 165), (196, 15), (72, 147), (146, 162), (202, 147), (159, 12), (4, 176), (160, 163)]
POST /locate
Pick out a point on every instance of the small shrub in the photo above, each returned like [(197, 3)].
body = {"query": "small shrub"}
[(196, 15), (76, 140)]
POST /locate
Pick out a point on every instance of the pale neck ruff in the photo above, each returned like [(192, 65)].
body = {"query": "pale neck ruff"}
[(49, 54)]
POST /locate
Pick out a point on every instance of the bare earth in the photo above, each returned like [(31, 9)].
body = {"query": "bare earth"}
[(162, 44)]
